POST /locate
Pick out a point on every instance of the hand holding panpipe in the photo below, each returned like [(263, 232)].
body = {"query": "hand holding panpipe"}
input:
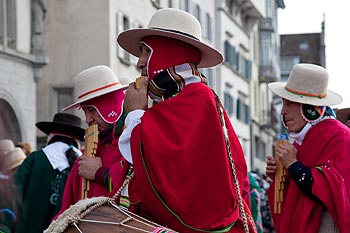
[(91, 139), (279, 178)]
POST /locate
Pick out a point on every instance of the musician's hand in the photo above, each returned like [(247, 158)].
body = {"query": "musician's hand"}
[(88, 166), (270, 167), (286, 153), (136, 99)]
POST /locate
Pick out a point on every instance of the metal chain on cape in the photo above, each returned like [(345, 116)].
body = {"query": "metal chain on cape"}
[(235, 178)]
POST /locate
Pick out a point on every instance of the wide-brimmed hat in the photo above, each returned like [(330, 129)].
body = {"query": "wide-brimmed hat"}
[(94, 82), (10, 156), (64, 123), (307, 84), (172, 23)]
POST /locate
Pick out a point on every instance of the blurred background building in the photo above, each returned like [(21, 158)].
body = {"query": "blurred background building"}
[(21, 58), (297, 48)]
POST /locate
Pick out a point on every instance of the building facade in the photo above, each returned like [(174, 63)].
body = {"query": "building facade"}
[(265, 113), (302, 48), (21, 59)]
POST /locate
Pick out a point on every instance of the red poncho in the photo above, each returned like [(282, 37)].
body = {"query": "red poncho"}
[(326, 150), (183, 174)]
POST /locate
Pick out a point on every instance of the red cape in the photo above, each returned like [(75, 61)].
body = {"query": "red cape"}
[(183, 174), (326, 150)]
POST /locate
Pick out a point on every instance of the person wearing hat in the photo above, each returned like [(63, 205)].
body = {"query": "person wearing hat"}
[(25, 146), (100, 95), (41, 177), (11, 158), (190, 170), (316, 194), (343, 115)]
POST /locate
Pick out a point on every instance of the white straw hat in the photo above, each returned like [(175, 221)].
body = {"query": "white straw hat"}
[(172, 23), (307, 84), (6, 145), (10, 156), (94, 82)]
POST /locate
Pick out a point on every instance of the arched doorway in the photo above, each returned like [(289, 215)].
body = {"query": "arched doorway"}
[(9, 127)]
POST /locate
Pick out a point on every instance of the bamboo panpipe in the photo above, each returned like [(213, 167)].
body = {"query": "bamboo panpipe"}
[(91, 138), (279, 179), (138, 82)]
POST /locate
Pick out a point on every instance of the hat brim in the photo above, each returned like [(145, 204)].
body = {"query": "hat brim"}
[(130, 41), (279, 89), (48, 127), (94, 95)]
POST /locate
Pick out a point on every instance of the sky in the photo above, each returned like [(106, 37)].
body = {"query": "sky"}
[(306, 16)]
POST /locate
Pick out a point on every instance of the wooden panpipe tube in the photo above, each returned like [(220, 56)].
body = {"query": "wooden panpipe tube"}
[(138, 82), (91, 139), (279, 177)]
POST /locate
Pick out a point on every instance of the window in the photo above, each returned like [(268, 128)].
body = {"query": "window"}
[(245, 67), (207, 31), (8, 23), (287, 64), (197, 12), (228, 103), (228, 99), (63, 97), (266, 48), (232, 7), (242, 64), (269, 9), (243, 111), (231, 55), (304, 46), (122, 25), (260, 148), (185, 5)]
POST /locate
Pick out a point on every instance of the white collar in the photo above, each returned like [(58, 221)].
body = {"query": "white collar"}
[(56, 154)]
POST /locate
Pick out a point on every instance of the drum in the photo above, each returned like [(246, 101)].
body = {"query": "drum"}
[(101, 214)]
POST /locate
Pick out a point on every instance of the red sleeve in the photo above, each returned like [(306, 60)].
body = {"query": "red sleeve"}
[(117, 174), (101, 176)]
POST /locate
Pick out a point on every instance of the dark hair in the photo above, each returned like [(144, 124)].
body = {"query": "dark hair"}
[(70, 153)]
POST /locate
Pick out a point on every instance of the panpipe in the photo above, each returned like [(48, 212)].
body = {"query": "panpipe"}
[(138, 82), (91, 139), (280, 177)]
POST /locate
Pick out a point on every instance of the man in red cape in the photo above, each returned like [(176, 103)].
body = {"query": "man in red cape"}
[(100, 95), (190, 171), (316, 194)]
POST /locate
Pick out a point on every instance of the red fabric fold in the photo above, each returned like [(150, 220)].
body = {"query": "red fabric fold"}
[(326, 150), (183, 174)]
